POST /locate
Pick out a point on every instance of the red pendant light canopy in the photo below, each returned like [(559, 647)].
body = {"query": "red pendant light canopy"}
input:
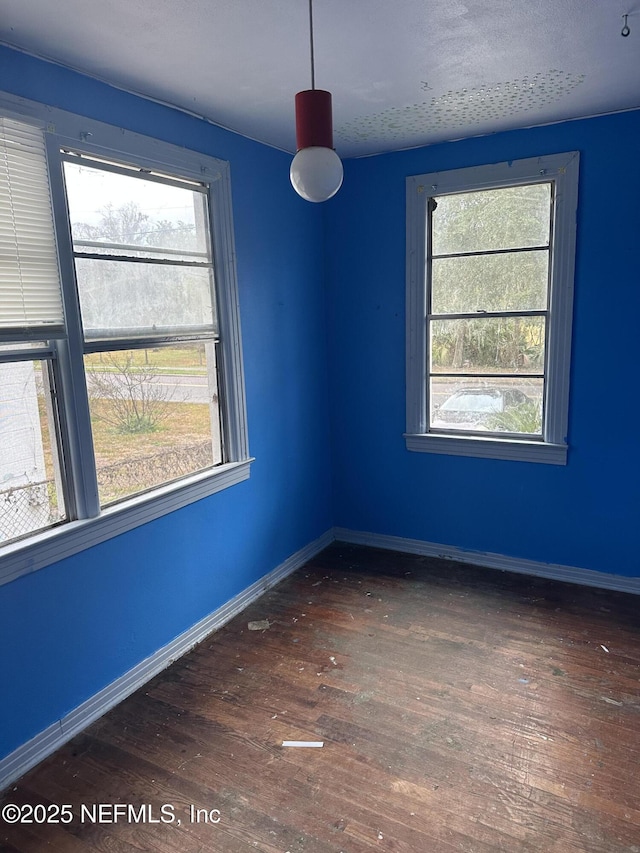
[(314, 121)]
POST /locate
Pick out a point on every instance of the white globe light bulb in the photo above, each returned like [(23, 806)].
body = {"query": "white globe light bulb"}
[(316, 173)]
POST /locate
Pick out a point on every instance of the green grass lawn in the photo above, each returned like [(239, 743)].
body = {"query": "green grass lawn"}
[(185, 423), (180, 359)]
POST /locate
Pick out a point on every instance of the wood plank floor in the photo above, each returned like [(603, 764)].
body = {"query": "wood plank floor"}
[(461, 709)]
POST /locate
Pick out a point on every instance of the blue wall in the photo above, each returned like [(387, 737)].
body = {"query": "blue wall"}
[(580, 515), (70, 629)]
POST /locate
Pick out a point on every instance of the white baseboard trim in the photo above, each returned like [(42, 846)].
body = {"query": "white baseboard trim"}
[(18, 762), (569, 574)]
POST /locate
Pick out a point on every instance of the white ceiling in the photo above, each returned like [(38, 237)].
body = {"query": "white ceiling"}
[(402, 73)]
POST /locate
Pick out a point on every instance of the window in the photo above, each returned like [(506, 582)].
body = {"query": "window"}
[(121, 386), (144, 274), (489, 301)]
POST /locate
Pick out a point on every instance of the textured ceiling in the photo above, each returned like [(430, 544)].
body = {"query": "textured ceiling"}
[(402, 73)]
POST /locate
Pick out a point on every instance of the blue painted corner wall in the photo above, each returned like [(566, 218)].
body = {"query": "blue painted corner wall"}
[(72, 628), (581, 515), (322, 306)]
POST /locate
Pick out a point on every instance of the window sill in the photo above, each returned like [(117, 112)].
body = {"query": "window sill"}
[(29, 555), (488, 448)]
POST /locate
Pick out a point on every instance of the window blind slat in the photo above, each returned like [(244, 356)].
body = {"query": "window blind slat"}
[(30, 291)]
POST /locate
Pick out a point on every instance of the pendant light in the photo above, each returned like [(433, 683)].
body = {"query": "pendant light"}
[(316, 170)]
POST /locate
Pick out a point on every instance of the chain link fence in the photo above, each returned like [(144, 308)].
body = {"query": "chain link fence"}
[(139, 473), (25, 509)]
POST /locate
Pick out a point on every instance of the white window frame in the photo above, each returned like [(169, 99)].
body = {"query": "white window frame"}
[(91, 525), (562, 170)]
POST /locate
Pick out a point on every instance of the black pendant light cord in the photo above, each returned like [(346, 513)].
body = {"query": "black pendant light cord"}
[(313, 73)]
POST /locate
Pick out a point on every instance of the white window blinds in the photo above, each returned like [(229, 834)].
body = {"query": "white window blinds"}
[(30, 293)]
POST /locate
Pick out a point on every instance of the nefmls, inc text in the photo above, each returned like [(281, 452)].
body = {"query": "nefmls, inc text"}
[(144, 813)]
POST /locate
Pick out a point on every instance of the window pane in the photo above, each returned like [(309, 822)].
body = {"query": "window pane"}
[(485, 405), (107, 207), (130, 299), (154, 415), (509, 218), (134, 216), (31, 496), (512, 282), (488, 345)]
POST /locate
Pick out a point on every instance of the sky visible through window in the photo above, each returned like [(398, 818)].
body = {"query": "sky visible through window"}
[(93, 190)]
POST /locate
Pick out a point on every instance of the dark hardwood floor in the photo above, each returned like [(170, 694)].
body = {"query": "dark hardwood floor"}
[(461, 709)]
